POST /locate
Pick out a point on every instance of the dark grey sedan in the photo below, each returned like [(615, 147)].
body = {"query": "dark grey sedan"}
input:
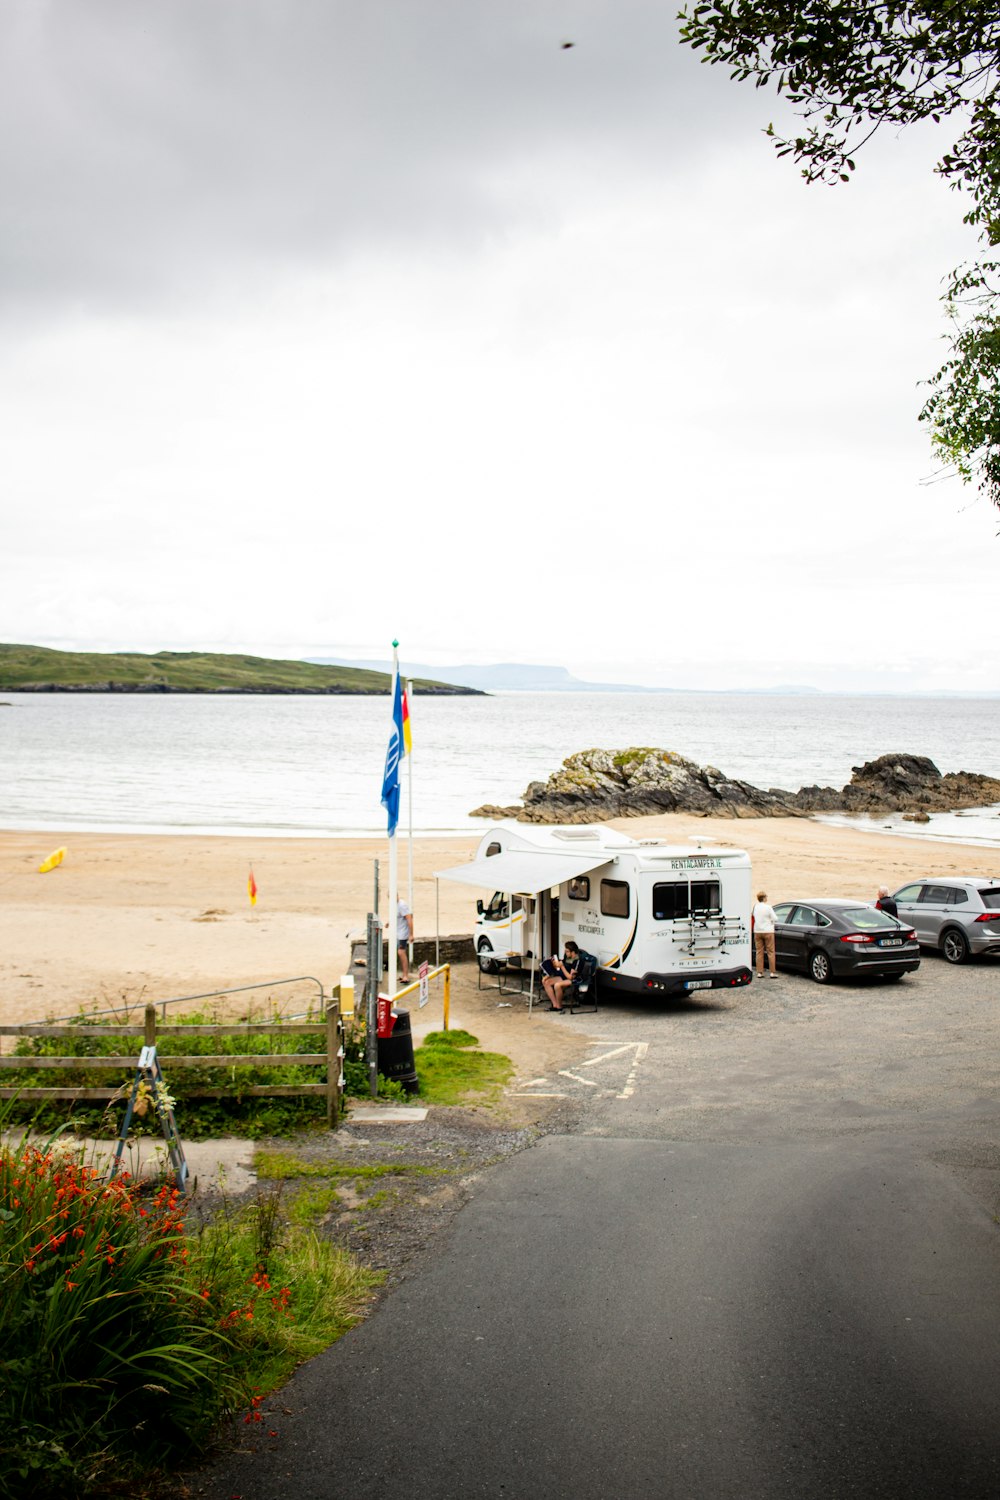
[(843, 939)]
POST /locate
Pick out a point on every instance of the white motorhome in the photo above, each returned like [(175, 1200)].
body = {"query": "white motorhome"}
[(661, 918)]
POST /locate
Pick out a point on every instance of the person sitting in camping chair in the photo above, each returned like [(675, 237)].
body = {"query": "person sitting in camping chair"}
[(557, 975)]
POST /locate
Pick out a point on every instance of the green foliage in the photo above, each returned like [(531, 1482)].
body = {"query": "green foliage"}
[(853, 67), (105, 1346), (124, 1338), (33, 667), (963, 411)]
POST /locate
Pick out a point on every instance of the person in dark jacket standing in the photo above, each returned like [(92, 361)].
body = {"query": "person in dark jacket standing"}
[(886, 903)]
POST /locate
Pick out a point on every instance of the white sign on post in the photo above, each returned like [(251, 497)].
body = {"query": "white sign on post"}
[(423, 972)]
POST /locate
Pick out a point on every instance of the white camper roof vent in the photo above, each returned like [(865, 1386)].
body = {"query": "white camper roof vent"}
[(575, 833)]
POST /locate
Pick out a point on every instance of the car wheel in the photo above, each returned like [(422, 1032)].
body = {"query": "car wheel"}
[(487, 962), (955, 946), (820, 967)]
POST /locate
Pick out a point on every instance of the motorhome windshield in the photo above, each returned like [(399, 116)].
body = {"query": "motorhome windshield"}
[(679, 898)]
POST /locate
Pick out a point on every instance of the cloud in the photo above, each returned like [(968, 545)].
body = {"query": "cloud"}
[(148, 151), (325, 322)]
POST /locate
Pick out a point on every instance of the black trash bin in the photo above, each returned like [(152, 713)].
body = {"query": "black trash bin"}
[(395, 1053)]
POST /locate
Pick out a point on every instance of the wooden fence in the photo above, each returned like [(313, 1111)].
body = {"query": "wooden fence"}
[(331, 1058)]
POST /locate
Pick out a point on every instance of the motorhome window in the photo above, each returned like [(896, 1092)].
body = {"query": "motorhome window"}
[(493, 849), (706, 895), (579, 889), (670, 901), (614, 898)]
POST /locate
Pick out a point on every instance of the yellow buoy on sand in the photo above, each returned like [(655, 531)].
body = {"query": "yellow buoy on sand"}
[(54, 859)]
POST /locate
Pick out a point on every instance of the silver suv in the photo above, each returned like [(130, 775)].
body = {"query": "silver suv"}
[(958, 916)]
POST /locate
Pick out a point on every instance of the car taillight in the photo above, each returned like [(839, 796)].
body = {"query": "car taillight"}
[(857, 937), (988, 916), (911, 936)]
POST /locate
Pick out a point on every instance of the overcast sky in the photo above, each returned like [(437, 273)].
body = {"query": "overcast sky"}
[(323, 323)]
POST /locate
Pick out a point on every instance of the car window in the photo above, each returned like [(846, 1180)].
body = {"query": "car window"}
[(804, 917), (868, 919), (991, 897), (957, 895), (908, 893), (783, 911), (935, 895)]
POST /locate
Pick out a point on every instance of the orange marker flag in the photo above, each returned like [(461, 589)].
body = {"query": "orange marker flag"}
[(252, 888)]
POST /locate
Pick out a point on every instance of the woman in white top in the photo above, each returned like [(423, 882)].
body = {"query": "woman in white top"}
[(763, 934)]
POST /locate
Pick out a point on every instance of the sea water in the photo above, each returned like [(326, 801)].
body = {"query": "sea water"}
[(312, 766)]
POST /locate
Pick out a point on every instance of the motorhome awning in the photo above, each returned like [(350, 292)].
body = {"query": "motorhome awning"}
[(524, 872)]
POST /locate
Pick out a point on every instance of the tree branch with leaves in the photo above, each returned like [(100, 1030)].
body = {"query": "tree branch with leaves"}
[(850, 68)]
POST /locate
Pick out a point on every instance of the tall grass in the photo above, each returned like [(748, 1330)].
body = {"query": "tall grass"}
[(103, 1340), (124, 1339)]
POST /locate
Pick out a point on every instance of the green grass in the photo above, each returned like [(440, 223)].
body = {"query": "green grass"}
[(276, 1166), (312, 1203), (450, 1072), (36, 668)]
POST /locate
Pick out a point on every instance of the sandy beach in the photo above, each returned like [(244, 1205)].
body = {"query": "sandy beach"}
[(151, 917)]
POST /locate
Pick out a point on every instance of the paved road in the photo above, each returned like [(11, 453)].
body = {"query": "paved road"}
[(770, 1270)]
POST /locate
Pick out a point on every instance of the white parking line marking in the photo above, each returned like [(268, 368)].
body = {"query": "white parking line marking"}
[(641, 1048), (590, 1082), (593, 1061)]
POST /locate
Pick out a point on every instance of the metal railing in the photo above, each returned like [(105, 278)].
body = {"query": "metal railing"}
[(240, 989), (414, 984)]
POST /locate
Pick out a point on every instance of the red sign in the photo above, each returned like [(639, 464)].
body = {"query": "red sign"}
[(384, 1019)]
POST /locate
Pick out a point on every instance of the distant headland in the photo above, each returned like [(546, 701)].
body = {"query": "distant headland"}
[(38, 669)]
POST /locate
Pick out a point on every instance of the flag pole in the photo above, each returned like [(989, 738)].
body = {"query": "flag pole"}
[(393, 871), (409, 801)]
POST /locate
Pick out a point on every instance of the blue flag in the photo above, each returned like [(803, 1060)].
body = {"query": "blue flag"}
[(390, 780)]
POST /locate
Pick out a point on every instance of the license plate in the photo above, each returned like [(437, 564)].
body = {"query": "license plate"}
[(892, 943), (698, 984)]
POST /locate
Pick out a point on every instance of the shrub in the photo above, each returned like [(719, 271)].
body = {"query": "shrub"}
[(105, 1347), (124, 1339)]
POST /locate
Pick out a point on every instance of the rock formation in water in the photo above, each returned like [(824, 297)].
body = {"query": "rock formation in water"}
[(908, 784), (597, 784)]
